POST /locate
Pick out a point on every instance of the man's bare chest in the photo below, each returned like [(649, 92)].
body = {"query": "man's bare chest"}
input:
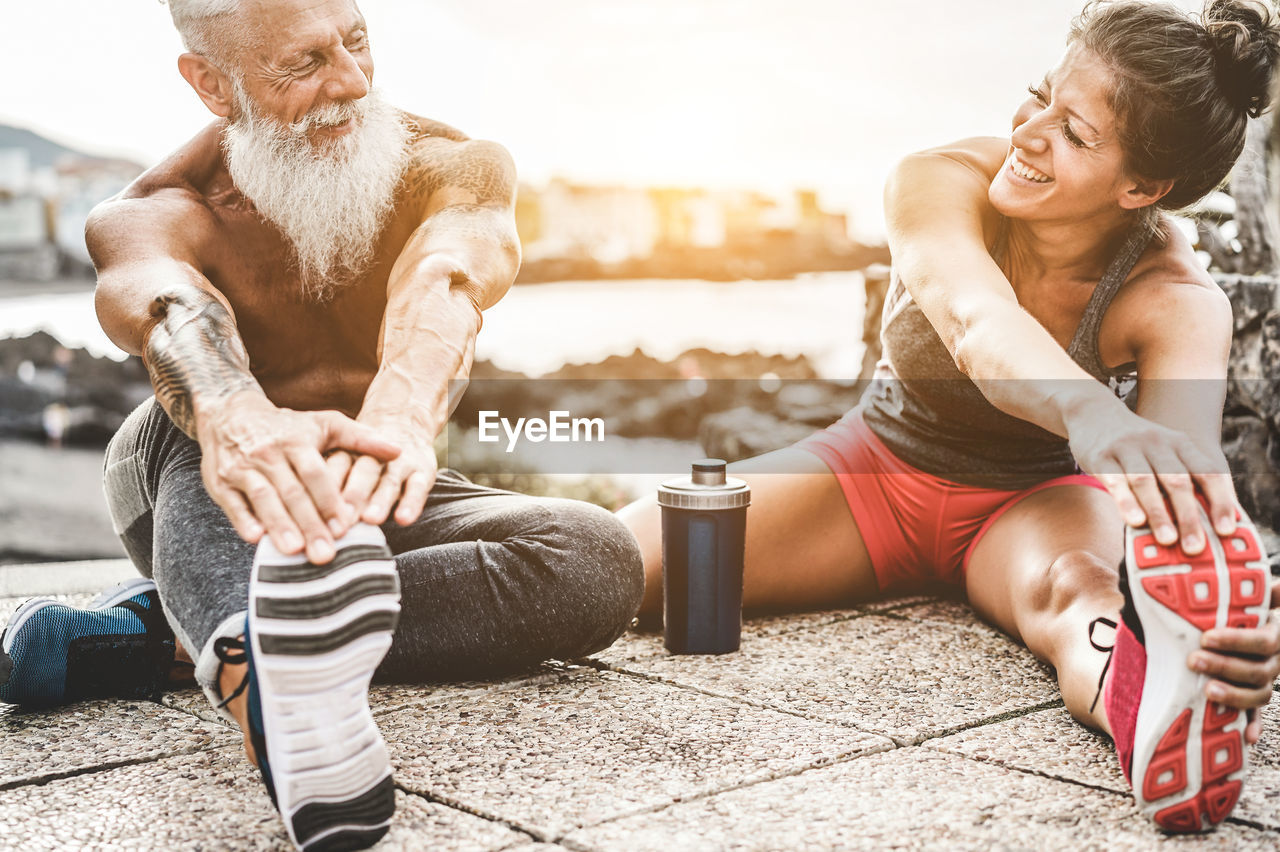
[(314, 348)]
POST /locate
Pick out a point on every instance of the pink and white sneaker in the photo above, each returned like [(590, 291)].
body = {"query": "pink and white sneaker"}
[(1184, 755)]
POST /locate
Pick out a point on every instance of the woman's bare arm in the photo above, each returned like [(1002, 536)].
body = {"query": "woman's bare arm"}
[(937, 214)]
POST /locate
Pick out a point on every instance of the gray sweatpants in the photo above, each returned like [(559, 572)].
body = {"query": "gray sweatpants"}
[(492, 582)]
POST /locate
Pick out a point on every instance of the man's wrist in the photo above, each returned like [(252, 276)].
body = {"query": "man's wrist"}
[(210, 406)]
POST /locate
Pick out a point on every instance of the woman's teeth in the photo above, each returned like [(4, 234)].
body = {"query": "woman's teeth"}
[(1022, 170)]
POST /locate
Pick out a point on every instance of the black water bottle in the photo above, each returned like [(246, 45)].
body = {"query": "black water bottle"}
[(704, 528)]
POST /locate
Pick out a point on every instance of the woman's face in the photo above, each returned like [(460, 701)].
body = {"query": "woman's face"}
[(1065, 161)]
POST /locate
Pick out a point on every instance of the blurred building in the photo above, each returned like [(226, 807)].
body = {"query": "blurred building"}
[(613, 224), (46, 193)]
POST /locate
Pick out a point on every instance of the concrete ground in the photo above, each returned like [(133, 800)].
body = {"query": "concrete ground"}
[(907, 723)]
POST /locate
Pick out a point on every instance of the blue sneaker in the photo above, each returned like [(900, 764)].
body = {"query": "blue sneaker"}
[(313, 637), (119, 647)]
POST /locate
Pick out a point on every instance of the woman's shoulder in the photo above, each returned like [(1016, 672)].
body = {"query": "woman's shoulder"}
[(1168, 296), (1170, 270)]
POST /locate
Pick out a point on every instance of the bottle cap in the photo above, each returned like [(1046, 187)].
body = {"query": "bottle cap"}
[(707, 488)]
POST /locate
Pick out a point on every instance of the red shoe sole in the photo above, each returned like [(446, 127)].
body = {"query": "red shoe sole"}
[(1189, 757)]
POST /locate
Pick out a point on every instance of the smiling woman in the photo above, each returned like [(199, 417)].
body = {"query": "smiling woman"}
[(1160, 96), (1033, 276)]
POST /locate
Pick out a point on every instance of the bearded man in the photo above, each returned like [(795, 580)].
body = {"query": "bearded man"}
[(303, 280)]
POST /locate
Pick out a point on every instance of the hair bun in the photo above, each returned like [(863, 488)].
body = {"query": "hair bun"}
[(1245, 41)]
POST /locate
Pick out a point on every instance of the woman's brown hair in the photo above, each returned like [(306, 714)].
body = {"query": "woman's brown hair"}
[(1184, 87)]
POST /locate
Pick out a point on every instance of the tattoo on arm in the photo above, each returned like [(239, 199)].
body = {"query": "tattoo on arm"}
[(193, 350), (474, 169), (471, 221)]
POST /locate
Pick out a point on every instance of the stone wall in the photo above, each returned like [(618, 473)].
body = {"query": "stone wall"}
[(1251, 421)]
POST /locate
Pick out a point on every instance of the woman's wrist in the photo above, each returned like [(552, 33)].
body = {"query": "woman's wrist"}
[(1089, 410)]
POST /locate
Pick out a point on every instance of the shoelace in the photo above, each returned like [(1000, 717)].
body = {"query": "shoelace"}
[(231, 651), (1109, 650)]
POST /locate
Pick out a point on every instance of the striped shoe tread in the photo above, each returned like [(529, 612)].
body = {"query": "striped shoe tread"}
[(315, 645), (328, 603), (322, 825), (301, 572)]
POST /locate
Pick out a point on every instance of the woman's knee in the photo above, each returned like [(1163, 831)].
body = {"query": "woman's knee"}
[(1074, 577)]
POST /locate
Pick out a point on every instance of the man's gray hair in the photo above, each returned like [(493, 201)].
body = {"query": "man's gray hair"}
[(208, 27)]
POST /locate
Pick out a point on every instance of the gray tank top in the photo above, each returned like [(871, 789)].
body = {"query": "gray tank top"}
[(931, 416)]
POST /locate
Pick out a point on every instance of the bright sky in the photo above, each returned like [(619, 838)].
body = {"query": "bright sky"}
[(757, 93)]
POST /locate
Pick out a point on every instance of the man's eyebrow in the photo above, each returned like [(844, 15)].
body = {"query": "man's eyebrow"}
[(297, 56), (1047, 84)]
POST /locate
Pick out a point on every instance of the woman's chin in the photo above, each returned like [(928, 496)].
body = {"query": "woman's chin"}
[(1005, 201)]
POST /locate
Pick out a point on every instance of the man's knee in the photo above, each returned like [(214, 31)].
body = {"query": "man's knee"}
[(601, 569)]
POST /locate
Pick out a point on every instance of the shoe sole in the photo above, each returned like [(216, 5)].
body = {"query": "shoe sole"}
[(121, 593), (1189, 756), (110, 598), (317, 633)]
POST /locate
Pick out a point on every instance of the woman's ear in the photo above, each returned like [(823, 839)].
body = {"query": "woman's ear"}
[(1143, 193)]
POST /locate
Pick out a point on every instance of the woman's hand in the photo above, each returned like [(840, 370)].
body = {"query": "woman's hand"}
[(1154, 474), (1243, 665)]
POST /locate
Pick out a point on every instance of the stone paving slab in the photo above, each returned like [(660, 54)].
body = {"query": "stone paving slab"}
[(593, 745), (1052, 743), (643, 644), (887, 675), (909, 797), (951, 612), (211, 800), (52, 743), (383, 698)]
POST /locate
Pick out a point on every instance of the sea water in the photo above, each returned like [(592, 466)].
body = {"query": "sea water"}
[(538, 328)]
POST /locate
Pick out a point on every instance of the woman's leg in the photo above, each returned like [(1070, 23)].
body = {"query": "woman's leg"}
[(803, 550), (1043, 572)]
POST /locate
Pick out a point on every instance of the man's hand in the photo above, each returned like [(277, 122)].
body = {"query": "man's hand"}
[(264, 466), (373, 488), (1242, 664)]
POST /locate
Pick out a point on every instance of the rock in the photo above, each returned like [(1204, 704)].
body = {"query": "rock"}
[(816, 403), (744, 432), (38, 374), (1253, 452), (1270, 362), (1252, 297), (1251, 428), (877, 281)]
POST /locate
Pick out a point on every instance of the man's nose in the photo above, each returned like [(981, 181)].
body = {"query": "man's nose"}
[(347, 80)]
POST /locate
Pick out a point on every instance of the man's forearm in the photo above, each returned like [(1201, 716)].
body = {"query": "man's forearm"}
[(194, 354), (460, 261), (428, 339)]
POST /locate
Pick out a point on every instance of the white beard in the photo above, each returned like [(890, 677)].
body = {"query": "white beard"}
[(330, 199)]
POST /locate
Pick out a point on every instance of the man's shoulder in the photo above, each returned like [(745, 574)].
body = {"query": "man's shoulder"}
[(450, 163), (429, 129), (434, 144), (168, 203)]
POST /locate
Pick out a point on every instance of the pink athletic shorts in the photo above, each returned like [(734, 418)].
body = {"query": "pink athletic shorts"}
[(917, 527)]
